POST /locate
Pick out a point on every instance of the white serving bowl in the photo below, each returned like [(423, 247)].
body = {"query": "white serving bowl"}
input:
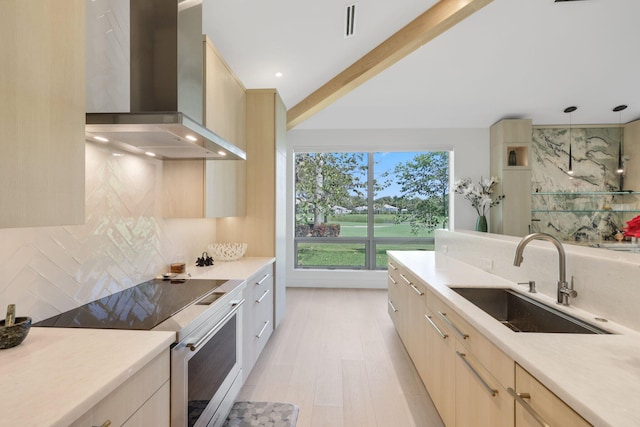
[(227, 251)]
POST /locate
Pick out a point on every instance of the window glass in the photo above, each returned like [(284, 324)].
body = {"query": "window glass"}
[(353, 207)]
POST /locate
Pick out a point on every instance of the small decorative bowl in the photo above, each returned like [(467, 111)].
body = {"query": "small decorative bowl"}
[(11, 336), (227, 251)]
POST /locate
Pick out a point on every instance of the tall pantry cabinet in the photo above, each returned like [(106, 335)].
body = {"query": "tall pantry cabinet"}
[(263, 225)]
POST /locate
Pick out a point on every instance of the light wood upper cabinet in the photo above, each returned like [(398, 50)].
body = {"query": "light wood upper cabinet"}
[(632, 149), (42, 112), (212, 188)]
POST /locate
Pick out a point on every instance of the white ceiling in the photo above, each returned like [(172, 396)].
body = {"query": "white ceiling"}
[(513, 58)]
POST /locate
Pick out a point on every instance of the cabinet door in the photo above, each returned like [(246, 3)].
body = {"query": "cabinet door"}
[(393, 291), (149, 386), (438, 373), (257, 316), (537, 405), (42, 113), (480, 400), (155, 412)]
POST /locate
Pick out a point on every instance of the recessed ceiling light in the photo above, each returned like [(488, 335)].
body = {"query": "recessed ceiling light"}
[(117, 154), (278, 74), (192, 138), (150, 154), (100, 138), (222, 153)]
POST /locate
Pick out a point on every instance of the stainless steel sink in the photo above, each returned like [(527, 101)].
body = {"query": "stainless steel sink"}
[(523, 314)]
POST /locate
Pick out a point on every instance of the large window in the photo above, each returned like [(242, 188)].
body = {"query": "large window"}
[(351, 208)]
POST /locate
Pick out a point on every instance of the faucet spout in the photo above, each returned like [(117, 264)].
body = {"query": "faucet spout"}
[(563, 289)]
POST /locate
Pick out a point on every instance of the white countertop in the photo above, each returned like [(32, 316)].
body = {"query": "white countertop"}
[(597, 375), (240, 269), (56, 375)]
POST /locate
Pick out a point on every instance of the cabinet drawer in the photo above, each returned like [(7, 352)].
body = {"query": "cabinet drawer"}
[(538, 404), (131, 396), (479, 395), (415, 289), (483, 350)]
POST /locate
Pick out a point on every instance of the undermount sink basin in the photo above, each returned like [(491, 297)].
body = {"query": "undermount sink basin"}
[(523, 314)]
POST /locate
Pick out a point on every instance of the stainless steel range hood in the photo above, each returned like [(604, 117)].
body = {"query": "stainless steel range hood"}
[(145, 84)]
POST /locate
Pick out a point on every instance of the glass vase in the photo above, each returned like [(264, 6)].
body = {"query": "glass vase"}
[(481, 223)]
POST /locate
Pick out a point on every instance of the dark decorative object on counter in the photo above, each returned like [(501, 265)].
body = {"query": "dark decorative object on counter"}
[(513, 160), (204, 261), (13, 330)]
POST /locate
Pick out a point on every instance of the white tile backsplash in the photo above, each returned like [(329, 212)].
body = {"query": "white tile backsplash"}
[(125, 240)]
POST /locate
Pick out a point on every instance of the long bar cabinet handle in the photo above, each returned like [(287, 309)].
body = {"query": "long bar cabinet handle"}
[(236, 305), (393, 280), (105, 424), (455, 328), (519, 397), (263, 329), (417, 291), (393, 267), (405, 279), (392, 306), (259, 300), (442, 334), (259, 282), (492, 391)]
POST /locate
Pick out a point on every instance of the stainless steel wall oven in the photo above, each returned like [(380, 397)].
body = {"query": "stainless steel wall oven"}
[(206, 369)]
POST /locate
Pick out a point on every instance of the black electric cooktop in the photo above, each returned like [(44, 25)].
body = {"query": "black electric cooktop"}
[(141, 307)]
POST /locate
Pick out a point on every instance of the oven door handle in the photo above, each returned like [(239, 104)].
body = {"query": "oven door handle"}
[(236, 306)]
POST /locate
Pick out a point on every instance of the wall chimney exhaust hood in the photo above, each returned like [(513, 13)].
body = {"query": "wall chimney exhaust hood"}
[(145, 83)]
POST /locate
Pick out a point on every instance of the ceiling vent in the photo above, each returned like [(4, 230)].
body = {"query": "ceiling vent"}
[(350, 20)]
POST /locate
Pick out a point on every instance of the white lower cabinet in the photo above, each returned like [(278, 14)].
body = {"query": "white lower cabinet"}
[(257, 316), (142, 400), (538, 406)]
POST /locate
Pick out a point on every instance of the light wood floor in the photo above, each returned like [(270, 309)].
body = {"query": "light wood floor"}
[(338, 357)]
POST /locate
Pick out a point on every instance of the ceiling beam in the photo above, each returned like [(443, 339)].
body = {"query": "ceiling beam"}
[(435, 21)]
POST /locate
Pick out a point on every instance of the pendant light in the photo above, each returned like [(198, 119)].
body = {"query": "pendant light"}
[(570, 110), (619, 110)]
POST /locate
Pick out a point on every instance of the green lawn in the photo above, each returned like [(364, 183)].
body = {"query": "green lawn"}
[(348, 254), (353, 254)]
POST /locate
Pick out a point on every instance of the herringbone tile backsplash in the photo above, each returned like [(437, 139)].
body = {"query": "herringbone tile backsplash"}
[(125, 240)]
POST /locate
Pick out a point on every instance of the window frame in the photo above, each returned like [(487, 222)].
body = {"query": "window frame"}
[(370, 242)]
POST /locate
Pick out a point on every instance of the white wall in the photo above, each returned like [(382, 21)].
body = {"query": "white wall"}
[(470, 149)]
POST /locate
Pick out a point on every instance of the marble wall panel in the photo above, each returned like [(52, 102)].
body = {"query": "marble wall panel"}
[(576, 207)]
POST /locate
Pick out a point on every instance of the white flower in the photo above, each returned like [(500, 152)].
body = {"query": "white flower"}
[(479, 196)]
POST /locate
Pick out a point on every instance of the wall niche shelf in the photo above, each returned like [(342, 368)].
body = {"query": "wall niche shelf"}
[(516, 156)]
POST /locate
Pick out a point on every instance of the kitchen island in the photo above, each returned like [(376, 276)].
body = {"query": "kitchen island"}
[(596, 375)]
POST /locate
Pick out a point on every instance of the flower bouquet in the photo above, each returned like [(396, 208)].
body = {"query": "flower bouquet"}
[(480, 196)]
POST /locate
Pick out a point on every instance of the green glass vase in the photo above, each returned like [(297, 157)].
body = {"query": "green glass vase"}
[(481, 223)]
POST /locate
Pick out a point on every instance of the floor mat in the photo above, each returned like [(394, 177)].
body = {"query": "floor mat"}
[(262, 414)]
